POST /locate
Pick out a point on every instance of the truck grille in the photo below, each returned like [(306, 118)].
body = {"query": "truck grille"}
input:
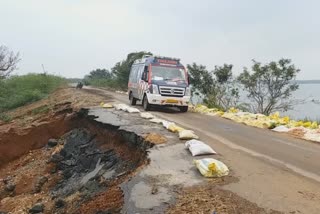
[(171, 91)]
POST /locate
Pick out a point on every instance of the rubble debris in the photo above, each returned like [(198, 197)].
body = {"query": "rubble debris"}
[(59, 203), (55, 158), (10, 187), (40, 182), (52, 142), (37, 208), (7, 179)]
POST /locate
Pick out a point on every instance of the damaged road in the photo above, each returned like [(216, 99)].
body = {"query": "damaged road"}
[(98, 160)]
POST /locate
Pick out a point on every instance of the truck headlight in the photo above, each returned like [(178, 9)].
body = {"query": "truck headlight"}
[(155, 89), (188, 91)]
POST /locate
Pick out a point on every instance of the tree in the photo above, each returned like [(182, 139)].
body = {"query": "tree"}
[(8, 61), (270, 86), (122, 69), (100, 74), (218, 87), (99, 77), (201, 79)]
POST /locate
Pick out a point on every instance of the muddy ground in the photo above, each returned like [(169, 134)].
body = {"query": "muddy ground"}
[(56, 157)]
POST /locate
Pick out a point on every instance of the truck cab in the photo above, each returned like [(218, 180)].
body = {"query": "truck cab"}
[(159, 81)]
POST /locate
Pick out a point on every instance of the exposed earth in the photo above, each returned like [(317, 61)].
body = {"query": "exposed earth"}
[(65, 154)]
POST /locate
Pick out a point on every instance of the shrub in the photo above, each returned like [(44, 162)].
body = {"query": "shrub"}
[(17, 91)]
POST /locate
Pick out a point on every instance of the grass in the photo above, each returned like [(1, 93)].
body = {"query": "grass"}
[(5, 117), (17, 91), (41, 110)]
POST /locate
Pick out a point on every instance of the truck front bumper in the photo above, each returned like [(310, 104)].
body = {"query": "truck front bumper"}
[(157, 99)]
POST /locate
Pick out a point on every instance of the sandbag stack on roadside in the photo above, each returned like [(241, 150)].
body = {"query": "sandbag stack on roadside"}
[(273, 121)]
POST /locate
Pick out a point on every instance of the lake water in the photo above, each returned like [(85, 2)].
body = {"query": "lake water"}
[(310, 108), (308, 95)]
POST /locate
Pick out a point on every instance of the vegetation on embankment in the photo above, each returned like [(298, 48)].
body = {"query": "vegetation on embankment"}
[(17, 91)]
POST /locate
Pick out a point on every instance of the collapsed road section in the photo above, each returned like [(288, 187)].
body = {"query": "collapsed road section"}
[(74, 166), (106, 161)]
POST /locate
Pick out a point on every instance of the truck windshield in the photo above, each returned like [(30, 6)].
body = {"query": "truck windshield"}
[(168, 74)]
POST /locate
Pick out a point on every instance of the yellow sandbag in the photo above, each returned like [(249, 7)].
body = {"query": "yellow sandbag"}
[(210, 167), (201, 108), (228, 115), (286, 119), (220, 113), (187, 135), (314, 125), (307, 124), (274, 116), (233, 110), (174, 128), (212, 110), (298, 123), (107, 105)]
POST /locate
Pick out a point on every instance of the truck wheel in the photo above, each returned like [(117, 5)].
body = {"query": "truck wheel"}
[(145, 103), (133, 101), (183, 108)]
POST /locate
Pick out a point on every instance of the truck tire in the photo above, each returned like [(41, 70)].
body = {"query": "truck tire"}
[(145, 103), (183, 108), (133, 101)]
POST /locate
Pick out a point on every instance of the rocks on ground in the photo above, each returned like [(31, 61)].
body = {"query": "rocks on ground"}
[(39, 183), (52, 142), (37, 208)]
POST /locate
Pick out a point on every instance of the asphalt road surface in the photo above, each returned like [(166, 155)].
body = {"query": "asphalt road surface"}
[(275, 170)]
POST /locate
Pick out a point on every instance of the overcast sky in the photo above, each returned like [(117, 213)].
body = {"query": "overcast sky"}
[(72, 37)]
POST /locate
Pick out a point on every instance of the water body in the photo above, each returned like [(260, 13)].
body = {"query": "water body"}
[(308, 96), (310, 108)]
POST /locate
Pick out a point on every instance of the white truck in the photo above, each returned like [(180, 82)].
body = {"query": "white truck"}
[(160, 81)]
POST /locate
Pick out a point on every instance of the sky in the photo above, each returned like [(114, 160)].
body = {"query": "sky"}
[(73, 37)]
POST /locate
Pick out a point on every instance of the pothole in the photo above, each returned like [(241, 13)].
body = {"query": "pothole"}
[(80, 173)]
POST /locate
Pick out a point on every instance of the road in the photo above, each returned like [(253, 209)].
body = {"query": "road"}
[(275, 171)]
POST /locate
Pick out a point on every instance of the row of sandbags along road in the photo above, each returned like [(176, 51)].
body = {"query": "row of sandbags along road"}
[(308, 130), (208, 167)]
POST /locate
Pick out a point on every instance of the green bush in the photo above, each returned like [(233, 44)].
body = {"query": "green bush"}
[(21, 90)]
